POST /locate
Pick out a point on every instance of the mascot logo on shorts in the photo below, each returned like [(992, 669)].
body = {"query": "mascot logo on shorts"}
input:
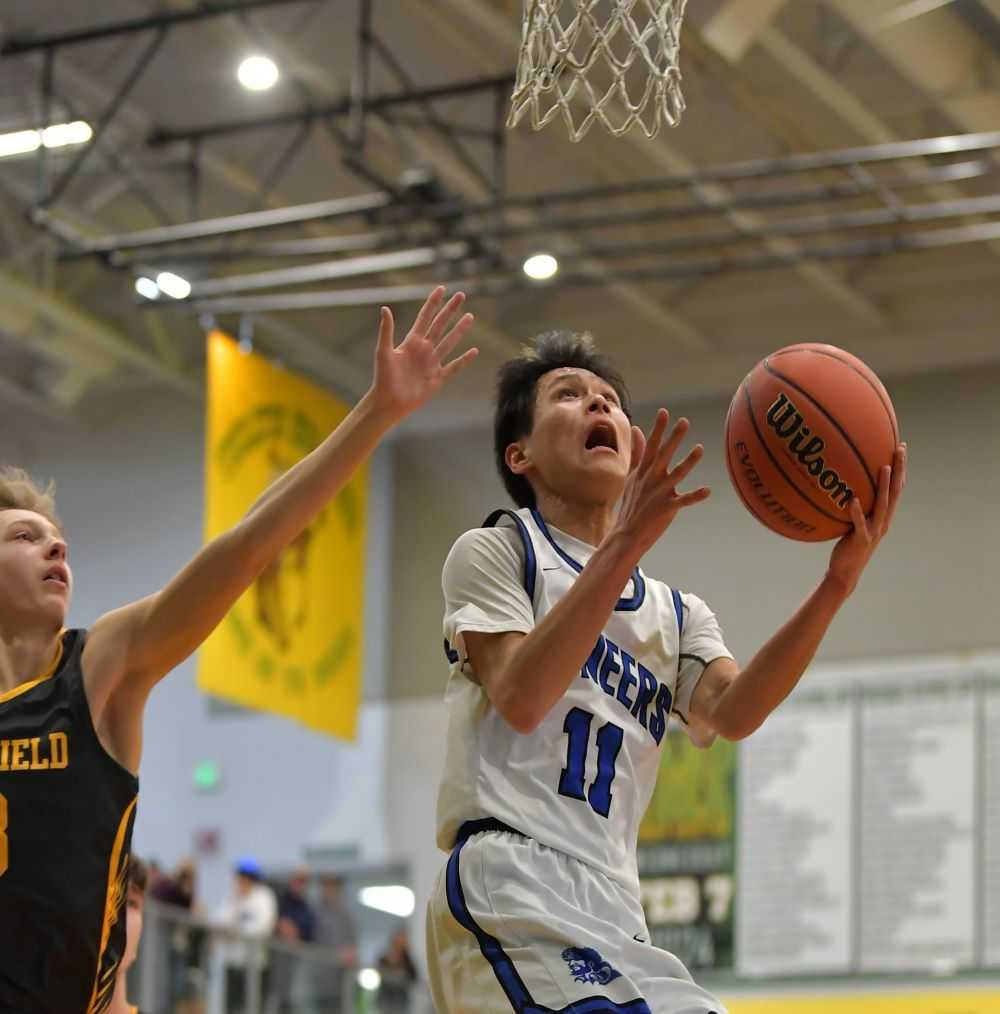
[(586, 965)]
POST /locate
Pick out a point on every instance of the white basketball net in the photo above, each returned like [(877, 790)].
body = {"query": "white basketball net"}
[(585, 67)]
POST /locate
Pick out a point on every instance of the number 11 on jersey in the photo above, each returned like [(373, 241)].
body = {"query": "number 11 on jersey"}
[(609, 743)]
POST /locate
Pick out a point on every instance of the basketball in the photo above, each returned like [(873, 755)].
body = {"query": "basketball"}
[(809, 429)]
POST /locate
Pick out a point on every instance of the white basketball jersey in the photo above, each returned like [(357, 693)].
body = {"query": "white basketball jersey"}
[(581, 781)]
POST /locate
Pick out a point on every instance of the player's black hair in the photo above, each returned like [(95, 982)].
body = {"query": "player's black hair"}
[(517, 385)]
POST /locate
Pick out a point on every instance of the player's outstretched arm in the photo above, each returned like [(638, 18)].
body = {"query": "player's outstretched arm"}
[(130, 649), (525, 675), (734, 703)]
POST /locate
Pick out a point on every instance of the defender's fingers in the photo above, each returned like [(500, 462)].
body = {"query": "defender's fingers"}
[(454, 336), (386, 328), (444, 316), (457, 365), (428, 310)]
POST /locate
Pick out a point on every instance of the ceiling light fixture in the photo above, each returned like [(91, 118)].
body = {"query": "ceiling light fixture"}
[(173, 285), (147, 288), (258, 73), (540, 266), (58, 135)]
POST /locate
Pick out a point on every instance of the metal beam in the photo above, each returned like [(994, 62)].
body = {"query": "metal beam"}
[(748, 170), (931, 178), (812, 224), (502, 286), (322, 300), (17, 45), (785, 165), (848, 107), (336, 208), (342, 107), (124, 90)]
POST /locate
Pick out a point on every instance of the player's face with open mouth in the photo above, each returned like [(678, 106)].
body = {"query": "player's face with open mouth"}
[(35, 577), (581, 440)]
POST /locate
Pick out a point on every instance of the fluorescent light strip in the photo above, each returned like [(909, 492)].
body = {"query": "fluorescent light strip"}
[(347, 268), (58, 135)]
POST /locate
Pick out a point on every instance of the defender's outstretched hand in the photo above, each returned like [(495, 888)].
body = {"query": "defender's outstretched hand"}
[(409, 374), (651, 500), (851, 554)]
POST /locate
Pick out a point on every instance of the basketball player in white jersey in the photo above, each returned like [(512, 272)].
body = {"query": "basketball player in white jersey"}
[(566, 663)]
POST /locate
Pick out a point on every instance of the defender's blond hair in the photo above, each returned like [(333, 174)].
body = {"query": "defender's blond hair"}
[(18, 491)]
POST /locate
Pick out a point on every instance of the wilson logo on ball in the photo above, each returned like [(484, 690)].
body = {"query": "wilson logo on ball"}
[(788, 424)]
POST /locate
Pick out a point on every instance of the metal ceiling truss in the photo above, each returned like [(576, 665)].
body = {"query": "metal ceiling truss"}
[(400, 235), (355, 107), (421, 224)]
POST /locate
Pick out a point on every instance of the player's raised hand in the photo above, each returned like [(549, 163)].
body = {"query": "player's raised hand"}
[(409, 374), (651, 499), (851, 554)]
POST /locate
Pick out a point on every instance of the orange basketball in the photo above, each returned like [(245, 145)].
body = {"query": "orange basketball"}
[(807, 430)]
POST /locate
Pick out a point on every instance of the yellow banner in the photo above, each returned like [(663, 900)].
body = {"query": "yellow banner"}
[(292, 644), (971, 1001)]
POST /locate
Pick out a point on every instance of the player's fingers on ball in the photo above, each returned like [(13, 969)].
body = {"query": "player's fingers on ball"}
[(882, 498), (898, 472), (429, 309), (445, 316), (858, 516), (896, 487)]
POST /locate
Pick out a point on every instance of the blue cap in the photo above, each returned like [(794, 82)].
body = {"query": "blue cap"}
[(247, 866)]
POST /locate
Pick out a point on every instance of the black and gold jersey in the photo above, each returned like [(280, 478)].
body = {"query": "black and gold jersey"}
[(66, 815)]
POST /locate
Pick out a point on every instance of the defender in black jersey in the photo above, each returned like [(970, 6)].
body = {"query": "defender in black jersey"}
[(71, 702)]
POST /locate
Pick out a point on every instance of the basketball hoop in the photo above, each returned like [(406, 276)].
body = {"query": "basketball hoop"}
[(605, 51)]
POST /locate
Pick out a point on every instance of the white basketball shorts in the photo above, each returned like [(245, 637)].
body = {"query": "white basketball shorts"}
[(513, 925)]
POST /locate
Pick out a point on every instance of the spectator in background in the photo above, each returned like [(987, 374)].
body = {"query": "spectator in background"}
[(296, 924), (134, 903), (399, 974), (154, 873), (184, 942), (337, 935), (251, 911), (177, 889)]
